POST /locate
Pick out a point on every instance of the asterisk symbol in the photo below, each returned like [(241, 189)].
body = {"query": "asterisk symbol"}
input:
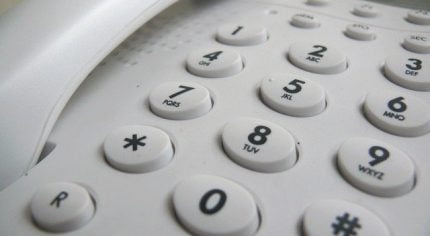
[(135, 142)]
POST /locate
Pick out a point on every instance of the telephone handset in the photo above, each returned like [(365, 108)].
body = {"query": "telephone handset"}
[(47, 51), (228, 117)]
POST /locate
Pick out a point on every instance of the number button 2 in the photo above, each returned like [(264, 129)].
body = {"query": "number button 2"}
[(210, 205), (214, 63), (293, 96)]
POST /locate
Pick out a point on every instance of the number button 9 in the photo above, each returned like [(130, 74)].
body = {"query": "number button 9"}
[(210, 205), (293, 96), (397, 114), (214, 63)]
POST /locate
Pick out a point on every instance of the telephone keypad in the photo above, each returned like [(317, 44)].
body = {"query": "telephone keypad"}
[(210, 205), (214, 63), (397, 113), (138, 149), (62, 207), (180, 100), (317, 58), (259, 145), (376, 167), (412, 72), (292, 95)]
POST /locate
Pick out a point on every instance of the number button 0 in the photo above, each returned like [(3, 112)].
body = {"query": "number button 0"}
[(376, 167), (259, 145), (214, 63), (209, 205), (293, 96), (242, 34), (409, 72), (317, 58), (397, 114), (180, 100)]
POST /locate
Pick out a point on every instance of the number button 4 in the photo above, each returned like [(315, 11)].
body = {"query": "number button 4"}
[(180, 100), (293, 96), (214, 63), (259, 145), (209, 205), (397, 114)]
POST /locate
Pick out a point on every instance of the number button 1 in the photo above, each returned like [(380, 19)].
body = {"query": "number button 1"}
[(180, 100), (210, 205), (293, 96), (376, 167), (398, 114), (214, 63), (241, 34), (259, 145), (317, 58)]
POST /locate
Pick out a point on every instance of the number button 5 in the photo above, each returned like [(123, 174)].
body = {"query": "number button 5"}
[(209, 205), (293, 96)]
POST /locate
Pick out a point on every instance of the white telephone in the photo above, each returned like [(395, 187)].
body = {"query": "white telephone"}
[(266, 117)]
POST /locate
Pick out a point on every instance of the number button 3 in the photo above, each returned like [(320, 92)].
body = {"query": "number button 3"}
[(293, 96), (214, 63), (409, 72), (397, 114), (259, 145), (209, 205), (376, 167), (180, 100), (317, 58)]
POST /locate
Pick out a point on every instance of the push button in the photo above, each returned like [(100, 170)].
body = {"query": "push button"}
[(259, 145), (304, 20), (365, 10), (318, 2), (419, 17), (417, 43), (336, 217), (214, 63), (410, 72), (360, 32), (138, 149), (62, 207), (209, 205), (376, 167), (317, 58), (293, 96), (242, 34), (397, 113), (180, 100)]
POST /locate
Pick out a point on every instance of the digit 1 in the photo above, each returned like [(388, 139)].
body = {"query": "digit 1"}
[(237, 30), (379, 154), (204, 201)]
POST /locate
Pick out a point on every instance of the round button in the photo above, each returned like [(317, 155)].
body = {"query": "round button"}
[(397, 113), (317, 58), (138, 149), (293, 96), (417, 43), (304, 20), (62, 207), (180, 100), (376, 167), (336, 217), (366, 10), (214, 63), (242, 34), (409, 72), (209, 205), (360, 32), (419, 17), (318, 2), (259, 145)]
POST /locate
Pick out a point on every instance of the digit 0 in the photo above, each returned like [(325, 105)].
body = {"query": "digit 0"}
[(207, 196), (259, 135)]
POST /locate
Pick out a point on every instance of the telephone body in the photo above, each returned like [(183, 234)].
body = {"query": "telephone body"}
[(89, 67)]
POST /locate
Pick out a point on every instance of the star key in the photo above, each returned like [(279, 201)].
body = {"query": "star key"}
[(135, 142)]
